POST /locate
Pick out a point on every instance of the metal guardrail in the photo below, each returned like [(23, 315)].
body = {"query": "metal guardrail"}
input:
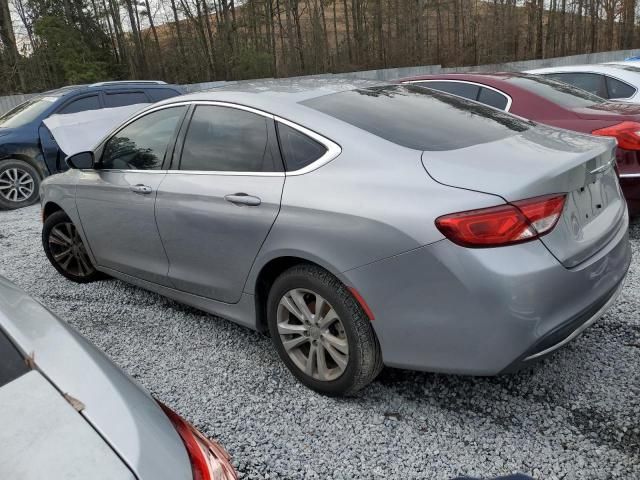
[(10, 101)]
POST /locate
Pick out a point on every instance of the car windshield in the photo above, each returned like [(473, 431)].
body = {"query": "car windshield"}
[(419, 118), (557, 92), (26, 112)]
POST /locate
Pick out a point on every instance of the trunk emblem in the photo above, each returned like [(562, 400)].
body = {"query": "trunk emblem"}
[(602, 168)]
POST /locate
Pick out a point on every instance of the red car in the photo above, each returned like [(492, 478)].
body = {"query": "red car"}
[(560, 105)]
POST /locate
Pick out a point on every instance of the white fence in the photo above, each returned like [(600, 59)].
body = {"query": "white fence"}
[(10, 101)]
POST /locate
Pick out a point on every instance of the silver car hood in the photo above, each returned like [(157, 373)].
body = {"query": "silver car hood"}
[(42, 436), (125, 415)]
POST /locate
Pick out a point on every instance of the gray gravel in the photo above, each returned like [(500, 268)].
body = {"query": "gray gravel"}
[(575, 416)]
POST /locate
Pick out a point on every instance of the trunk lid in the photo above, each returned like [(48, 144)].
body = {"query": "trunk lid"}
[(542, 161)]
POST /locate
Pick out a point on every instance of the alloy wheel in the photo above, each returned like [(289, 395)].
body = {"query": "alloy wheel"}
[(16, 185), (312, 334), (68, 251)]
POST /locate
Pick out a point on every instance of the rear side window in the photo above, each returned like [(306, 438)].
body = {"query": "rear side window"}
[(466, 90), (493, 98), (419, 118), (224, 139), (618, 89), (81, 105), (158, 94), (298, 149), (124, 98), (143, 143)]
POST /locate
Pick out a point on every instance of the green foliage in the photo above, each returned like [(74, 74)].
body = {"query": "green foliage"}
[(71, 60), (250, 63)]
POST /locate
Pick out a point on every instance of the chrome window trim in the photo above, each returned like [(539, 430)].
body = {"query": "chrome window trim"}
[(482, 85), (629, 175), (333, 149)]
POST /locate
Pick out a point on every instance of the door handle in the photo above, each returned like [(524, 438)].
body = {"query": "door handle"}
[(144, 189), (243, 199)]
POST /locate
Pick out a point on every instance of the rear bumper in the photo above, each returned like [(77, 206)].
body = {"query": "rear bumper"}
[(483, 311)]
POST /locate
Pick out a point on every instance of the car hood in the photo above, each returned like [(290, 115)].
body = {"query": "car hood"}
[(6, 131), (610, 111), (125, 415)]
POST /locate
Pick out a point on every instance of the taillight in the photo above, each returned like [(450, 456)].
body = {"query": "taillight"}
[(515, 222), (209, 461), (627, 134)]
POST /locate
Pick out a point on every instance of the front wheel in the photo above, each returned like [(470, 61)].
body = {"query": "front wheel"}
[(321, 333), (19, 184), (65, 250)]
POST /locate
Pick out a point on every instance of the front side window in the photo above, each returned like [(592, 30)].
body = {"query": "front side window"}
[(298, 149), (142, 144), (81, 105), (561, 93), (591, 82), (225, 139), (123, 99)]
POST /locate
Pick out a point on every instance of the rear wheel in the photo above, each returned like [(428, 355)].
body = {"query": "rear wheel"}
[(65, 250), (19, 184), (321, 333)]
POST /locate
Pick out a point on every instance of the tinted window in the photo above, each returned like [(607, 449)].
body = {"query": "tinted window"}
[(125, 98), (560, 93), (227, 140), (158, 94), (492, 98), (618, 89), (298, 149), (419, 118), (12, 365), (461, 89), (591, 82), (142, 144), (26, 112), (81, 105)]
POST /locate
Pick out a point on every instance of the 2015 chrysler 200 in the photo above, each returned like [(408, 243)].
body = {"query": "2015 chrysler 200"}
[(361, 225)]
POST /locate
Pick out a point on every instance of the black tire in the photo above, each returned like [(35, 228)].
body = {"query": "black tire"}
[(365, 358), (11, 197), (79, 269)]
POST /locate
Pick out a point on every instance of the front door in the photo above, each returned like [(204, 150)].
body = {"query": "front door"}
[(116, 201), (216, 208)]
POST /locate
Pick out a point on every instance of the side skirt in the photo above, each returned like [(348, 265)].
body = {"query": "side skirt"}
[(243, 312)]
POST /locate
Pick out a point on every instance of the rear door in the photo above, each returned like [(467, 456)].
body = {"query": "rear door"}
[(116, 200), (218, 202)]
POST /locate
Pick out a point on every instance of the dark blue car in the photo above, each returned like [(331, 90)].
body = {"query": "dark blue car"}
[(28, 152)]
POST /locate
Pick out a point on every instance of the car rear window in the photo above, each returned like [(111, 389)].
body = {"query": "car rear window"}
[(560, 93), (418, 117), (12, 365)]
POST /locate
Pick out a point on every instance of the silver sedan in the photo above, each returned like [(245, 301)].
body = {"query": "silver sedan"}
[(67, 412), (360, 225)]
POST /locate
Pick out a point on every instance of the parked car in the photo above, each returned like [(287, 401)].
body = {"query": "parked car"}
[(359, 224), (68, 412), (28, 152), (608, 80), (558, 104)]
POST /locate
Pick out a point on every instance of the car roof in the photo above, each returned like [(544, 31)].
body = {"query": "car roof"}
[(278, 97), (612, 68), (108, 85)]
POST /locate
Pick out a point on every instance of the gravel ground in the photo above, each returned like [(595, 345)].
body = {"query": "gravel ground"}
[(575, 416)]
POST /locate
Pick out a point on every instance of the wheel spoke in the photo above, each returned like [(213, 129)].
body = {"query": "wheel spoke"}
[(84, 264), (11, 174), (61, 238), (298, 298), (65, 263), (323, 370), (339, 358), (288, 329), (311, 360), (63, 254), (294, 343), (338, 343), (288, 303), (325, 321)]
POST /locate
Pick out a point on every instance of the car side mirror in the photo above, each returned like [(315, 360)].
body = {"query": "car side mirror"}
[(81, 161)]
